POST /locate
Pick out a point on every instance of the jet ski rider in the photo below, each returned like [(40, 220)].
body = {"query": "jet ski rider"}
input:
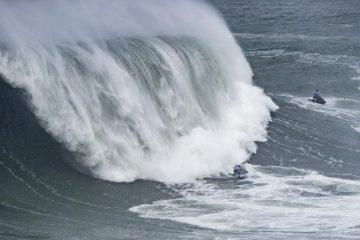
[(316, 95), (237, 170)]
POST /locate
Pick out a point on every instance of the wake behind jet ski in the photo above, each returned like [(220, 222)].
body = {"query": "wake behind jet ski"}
[(317, 98)]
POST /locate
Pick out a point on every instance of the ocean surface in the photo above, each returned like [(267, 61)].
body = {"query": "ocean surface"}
[(124, 119)]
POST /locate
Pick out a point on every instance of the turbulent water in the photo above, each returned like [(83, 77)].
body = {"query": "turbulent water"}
[(139, 106), (123, 119)]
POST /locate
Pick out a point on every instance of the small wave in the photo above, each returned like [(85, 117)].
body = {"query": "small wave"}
[(351, 62), (270, 53), (356, 128), (357, 78), (349, 25), (286, 36), (344, 60), (313, 58)]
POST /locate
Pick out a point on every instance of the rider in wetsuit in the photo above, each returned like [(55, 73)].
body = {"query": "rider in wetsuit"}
[(316, 95), (237, 170)]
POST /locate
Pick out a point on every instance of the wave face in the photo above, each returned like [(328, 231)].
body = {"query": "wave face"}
[(134, 90)]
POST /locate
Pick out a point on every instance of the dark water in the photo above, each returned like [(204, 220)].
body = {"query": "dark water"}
[(295, 47), (303, 183)]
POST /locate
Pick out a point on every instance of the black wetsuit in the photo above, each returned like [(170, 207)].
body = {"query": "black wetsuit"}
[(237, 170), (316, 96)]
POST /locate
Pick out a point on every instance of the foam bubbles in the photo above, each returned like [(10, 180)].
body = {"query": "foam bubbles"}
[(273, 200)]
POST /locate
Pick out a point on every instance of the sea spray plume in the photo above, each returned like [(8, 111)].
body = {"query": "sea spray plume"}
[(56, 22), (136, 89)]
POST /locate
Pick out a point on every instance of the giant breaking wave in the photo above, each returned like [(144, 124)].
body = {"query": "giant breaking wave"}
[(141, 89)]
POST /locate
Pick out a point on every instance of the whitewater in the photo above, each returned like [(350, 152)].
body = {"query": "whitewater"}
[(136, 97)]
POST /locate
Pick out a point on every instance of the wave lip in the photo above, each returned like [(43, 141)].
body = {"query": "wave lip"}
[(137, 104)]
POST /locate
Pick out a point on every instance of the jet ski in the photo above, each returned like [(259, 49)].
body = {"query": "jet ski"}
[(318, 100)]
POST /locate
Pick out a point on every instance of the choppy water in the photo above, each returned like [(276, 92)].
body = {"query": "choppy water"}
[(302, 183)]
